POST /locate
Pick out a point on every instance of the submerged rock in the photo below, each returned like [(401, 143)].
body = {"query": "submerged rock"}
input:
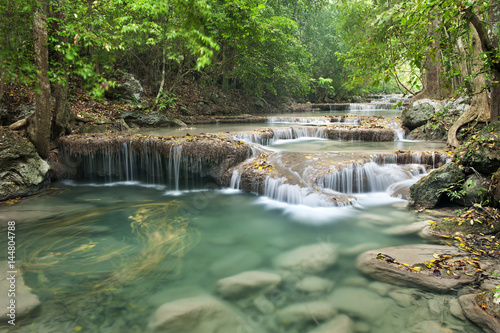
[(429, 326), (313, 258), (314, 284), (340, 324), (399, 274), (428, 191), (303, 313), (403, 230), (203, 314), (243, 284), (25, 301), (360, 302), (22, 171), (234, 263)]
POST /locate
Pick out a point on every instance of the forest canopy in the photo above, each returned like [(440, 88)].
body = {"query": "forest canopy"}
[(311, 50)]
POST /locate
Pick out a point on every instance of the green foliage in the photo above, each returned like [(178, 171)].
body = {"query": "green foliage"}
[(166, 101), (455, 191)]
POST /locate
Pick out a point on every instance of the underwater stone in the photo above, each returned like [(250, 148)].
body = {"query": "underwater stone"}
[(401, 299), (403, 230), (203, 314), (235, 263), (25, 301), (360, 302), (313, 258), (456, 309), (429, 326), (302, 313), (240, 285), (314, 284), (340, 324)]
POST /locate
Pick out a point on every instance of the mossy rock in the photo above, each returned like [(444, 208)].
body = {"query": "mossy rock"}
[(428, 191), (481, 150), (22, 171)]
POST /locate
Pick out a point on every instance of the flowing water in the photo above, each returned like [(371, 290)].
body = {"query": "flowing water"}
[(103, 255)]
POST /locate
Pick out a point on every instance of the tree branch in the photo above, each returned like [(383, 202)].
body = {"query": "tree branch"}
[(486, 43)]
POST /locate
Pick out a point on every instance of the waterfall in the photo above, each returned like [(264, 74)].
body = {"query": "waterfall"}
[(174, 161), (271, 136), (372, 106), (235, 180), (398, 130), (369, 177), (428, 158), (350, 121), (278, 189)]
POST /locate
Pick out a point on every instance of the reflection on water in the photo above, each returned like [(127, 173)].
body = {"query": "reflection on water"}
[(107, 268), (315, 145)]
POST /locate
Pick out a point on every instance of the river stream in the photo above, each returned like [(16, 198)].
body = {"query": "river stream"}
[(102, 256)]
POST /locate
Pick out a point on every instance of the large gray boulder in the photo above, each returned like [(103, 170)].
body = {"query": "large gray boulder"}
[(398, 273), (22, 171), (427, 191), (129, 89), (420, 113), (245, 283), (202, 314)]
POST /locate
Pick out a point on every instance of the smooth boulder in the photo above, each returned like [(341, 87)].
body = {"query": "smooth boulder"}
[(313, 258), (399, 274), (477, 315), (243, 284), (203, 314), (302, 313)]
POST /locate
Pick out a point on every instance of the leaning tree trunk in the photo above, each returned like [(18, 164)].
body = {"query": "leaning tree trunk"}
[(63, 117), (40, 127), (479, 109)]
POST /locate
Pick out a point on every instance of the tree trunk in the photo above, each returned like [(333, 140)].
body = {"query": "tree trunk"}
[(432, 85), (495, 91), (40, 128), (63, 117), (479, 109)]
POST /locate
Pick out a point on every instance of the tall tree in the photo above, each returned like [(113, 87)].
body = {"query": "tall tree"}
[(40, 126)]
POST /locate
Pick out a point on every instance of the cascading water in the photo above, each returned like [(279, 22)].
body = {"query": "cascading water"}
[(278, 189), (235, 180), (369, 177), (154, 160), (349, 121)]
